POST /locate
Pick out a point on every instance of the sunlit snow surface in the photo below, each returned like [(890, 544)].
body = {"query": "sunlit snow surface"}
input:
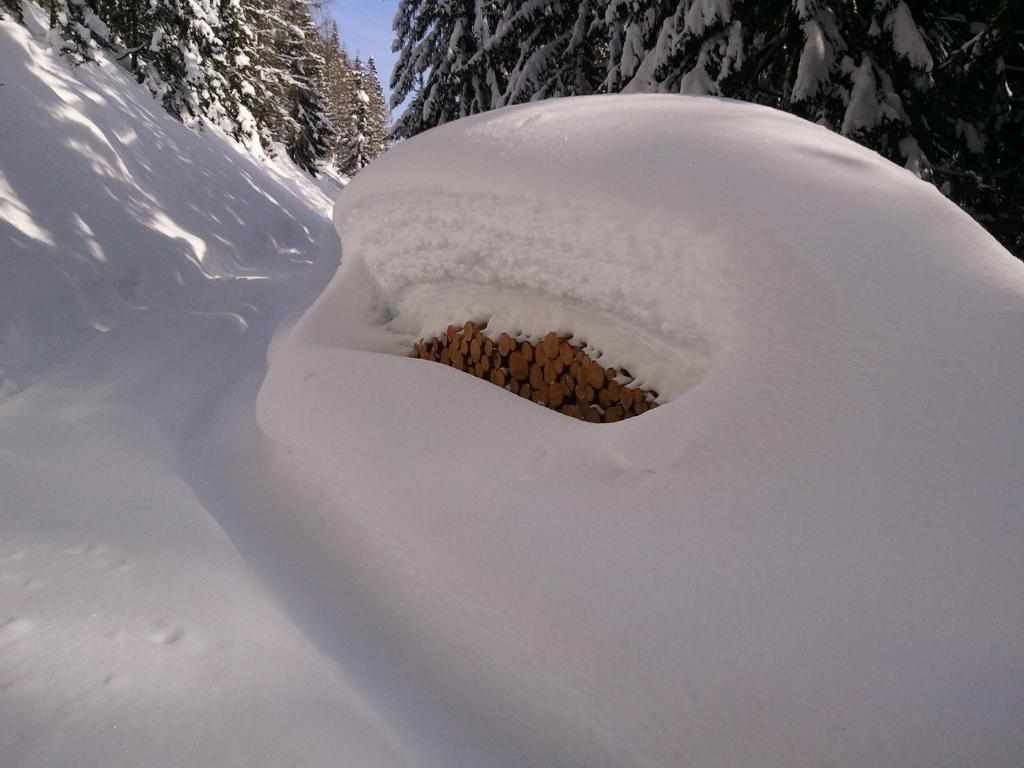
[(132, 631), (812, 555)]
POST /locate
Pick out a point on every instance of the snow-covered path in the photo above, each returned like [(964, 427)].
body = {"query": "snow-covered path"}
[(143, 270), (132, 630)]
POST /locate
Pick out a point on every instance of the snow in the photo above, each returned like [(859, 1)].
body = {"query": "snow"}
[(810, 554), (863, 112), (143, 268), (815, 61), (906, 37)]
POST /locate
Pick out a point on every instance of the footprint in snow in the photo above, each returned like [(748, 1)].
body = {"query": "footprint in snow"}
[(14, 629), (97, 556), (166, 634), (11, 555), (13, 581)]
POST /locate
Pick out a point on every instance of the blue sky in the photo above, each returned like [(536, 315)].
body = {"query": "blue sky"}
[(365, 28)]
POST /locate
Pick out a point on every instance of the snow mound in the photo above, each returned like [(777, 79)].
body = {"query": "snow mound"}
[(812, 555)]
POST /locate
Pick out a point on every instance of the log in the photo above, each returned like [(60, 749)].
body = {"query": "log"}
[(504, 344), (536, 375), (551, 343), (565, 353), (592, 415), (488, 347), (464, 347), (613, 414), (540, 352), (525, 391), (417, 351), (517, 366), (604, 398), (584, 391), (527, 349), (556, 394), (551, 373), (498, 377), (540, 394), (451, 333), (627, 396), (594, 375), (614, 390), (469, 329), (476, 347), (445, 358)]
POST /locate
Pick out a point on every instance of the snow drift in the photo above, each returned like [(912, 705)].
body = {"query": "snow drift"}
[(143, 268), (813, 554)]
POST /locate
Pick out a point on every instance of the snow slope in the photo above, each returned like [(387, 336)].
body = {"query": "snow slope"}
[(143, 268), (812, 554)]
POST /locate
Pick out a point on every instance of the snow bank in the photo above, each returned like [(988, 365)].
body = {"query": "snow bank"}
[(143, 268), (108, 208), (812, 554)]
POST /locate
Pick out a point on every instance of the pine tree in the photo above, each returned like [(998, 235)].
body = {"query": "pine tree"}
[(181, 69), (305, 128), (446, 62), (236, 64), (357, 155), (267, 22), (81, 29), (552, 49), (975, 141), (377, 127), (131, 25), (14, 8), (338, 87)]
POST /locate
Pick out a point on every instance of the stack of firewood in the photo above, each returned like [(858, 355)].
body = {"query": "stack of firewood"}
[(549, 371)]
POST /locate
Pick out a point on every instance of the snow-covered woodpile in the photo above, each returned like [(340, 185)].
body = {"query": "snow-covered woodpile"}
[(550, 371)]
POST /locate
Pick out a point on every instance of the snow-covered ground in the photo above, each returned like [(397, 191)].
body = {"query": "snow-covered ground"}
[(811, 554), (143, 269)]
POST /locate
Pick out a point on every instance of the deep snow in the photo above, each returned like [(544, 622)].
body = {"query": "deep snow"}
[(813, 554), (143, 269)]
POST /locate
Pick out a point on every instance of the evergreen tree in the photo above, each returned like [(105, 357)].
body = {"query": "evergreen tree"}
[(14, 8), (181, 70), (975, 141), (305, 128), (358, 153), (131, 24), (554, 49), (377, 125), (236, 63), (81, 30), (446, 62)]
